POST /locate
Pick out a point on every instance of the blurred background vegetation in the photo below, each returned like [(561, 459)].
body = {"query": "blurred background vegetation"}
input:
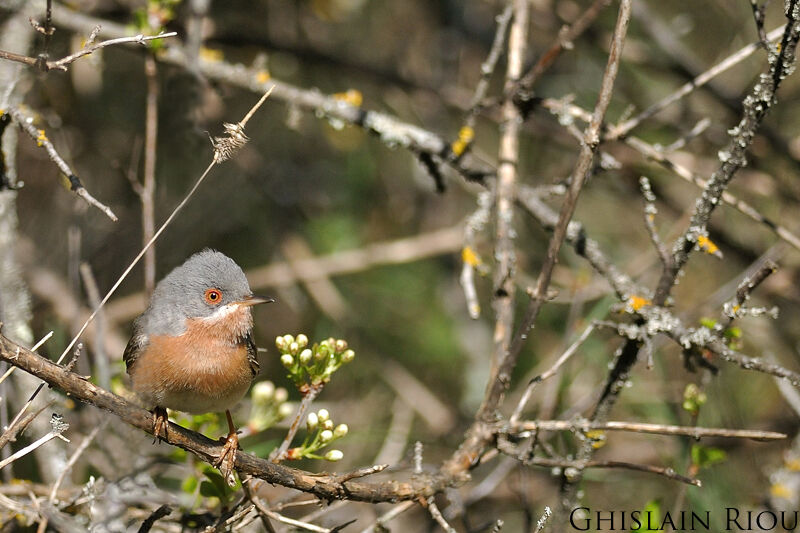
[(307, 187)]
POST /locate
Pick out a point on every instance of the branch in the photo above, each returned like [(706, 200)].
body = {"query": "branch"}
[(41, 140), (323, 485), (641, 427), (391, 130), (505, 192), (62, 63), (733, 157)]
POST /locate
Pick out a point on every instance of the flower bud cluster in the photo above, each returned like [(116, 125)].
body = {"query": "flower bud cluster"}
[(312, 366), (321, 433)]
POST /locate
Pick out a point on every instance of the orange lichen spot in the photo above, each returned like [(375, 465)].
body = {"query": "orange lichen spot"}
[(263, 76), (469, 256), (779, 490), (40, 140), (209, 54), (705, 244), (638, 302), (351, 96), (793, 464), (465, 137)]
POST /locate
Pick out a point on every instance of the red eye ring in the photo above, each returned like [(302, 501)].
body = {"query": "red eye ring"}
[(213, 296)]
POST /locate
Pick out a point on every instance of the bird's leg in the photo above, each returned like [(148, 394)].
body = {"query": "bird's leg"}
[(227, 458), (160, 422)]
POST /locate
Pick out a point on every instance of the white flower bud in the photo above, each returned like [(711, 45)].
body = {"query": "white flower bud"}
[(288, 339), (294, 348), (280, 343), (340, 346), (326, 436), (311, 421), (348, 356), (327, 424), (287, 360), (305, 356), (340, 431), (323, 415), (302, 340), (263, 391), (334, 455)]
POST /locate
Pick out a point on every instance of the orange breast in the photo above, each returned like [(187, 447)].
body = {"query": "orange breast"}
[(197, 372)]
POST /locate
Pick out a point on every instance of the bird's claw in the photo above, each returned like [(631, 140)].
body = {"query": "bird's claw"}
[(227, 458), (160, 424)]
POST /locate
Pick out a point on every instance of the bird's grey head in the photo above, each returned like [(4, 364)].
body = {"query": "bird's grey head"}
[(208, 282)]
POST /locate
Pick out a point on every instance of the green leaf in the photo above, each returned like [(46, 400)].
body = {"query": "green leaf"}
[(706, 456), (189, 485), (708, 322), (209, 490)]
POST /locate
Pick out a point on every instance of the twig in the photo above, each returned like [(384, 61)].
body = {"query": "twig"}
[(642, 427), (621, 130), (475, 224), (59, 427), (487, 69), (41, 139), (758, 18), (650, 212), (733, 308), (33, 349), (280, 453), (579, 466), (74, 459), (437, 515), (158, 514), (388, 516), (542, 522), (504, 286), (36, 391), (564, 41), (253, 497), (569, 352), (63, 63), (148, 188), (701, 126), (100, 357), (286, 520), (10, 434)]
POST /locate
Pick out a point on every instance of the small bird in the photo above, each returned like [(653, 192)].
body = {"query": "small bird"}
[(192, 350)]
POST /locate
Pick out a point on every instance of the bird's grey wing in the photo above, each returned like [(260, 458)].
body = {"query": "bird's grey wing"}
[(252, 354), (135, 347)]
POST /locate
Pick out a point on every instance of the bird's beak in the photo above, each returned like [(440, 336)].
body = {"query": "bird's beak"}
[(255, 300)]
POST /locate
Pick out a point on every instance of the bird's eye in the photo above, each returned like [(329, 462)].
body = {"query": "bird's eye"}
[(213, 296)]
